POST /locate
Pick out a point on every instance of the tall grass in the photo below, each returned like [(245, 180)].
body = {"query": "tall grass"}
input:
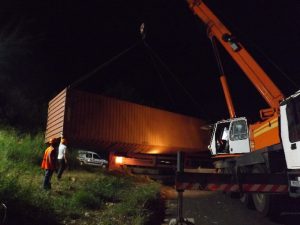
[(21, 148), (82, 197)]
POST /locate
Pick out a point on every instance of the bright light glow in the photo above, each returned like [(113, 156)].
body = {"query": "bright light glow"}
[(119, 160), (154, 151)]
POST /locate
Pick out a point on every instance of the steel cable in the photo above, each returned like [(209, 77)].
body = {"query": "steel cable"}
[(174, 77), (114, 58)]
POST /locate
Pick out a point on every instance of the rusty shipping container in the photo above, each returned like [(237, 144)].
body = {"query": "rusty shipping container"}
[(99, 123)]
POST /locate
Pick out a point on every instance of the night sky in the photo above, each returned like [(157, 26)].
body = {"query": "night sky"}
[(68, 39)]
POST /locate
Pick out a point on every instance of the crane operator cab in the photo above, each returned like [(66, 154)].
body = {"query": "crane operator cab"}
[(290, 130), (230, 137)]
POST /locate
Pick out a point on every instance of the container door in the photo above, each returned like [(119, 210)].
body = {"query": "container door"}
[(238, 136), (290, 132)]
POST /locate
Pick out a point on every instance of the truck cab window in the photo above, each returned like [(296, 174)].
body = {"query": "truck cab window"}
[(238, 130), (96, 156), (293, 117)]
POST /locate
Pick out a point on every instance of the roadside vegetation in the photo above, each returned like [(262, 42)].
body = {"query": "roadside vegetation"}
[(92, 196)]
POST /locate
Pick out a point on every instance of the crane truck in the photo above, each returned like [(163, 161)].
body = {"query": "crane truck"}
[(261, 160), (269, 147)]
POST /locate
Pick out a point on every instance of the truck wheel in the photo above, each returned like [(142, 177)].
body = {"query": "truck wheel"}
[(246, 199), (265, 203)]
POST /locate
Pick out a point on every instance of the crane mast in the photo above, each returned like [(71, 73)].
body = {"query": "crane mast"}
[(265, 86)]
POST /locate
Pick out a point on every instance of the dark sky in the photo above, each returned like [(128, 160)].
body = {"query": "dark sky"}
[(71, 38)]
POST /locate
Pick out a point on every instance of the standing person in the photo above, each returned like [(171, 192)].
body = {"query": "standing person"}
[(49, 163), (225, 140), (62, 157)]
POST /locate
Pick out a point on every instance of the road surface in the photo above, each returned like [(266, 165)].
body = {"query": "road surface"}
[(214, 208)]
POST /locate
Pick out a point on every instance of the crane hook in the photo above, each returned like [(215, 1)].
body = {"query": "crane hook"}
[(143, 31)]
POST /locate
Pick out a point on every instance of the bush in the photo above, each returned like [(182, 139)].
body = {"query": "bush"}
[(9, 187), (109, 188), (23, 148), (143, 194), (86, 199)]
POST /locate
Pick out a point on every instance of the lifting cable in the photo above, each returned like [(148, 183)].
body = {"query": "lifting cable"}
[(143, 36), (153, 55), (162, 79), (217, 55), (173, 76), (100, 67)]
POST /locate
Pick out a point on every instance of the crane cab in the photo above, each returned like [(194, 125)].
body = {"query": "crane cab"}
[(230, 137), (290, 130)]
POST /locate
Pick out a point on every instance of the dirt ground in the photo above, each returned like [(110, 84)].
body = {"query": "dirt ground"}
[(214, 208)]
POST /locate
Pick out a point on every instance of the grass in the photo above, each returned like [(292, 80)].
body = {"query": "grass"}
[(81, 197)]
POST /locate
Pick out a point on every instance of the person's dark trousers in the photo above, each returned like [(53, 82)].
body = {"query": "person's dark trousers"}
[(62, 167), (47, 179)]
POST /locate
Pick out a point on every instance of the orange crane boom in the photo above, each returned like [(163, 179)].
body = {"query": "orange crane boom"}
[(269, 91)]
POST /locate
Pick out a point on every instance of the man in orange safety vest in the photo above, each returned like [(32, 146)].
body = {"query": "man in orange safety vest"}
[(49, 163)]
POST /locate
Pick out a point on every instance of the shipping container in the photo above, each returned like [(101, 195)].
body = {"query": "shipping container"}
[(100, 123)]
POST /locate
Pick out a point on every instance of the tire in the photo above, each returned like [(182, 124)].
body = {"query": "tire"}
[(246, 199), (265, 204)]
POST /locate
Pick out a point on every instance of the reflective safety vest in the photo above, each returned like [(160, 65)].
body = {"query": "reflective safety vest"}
[(49, 159)]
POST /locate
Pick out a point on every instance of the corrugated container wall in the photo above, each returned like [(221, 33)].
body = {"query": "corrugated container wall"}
[(100, 123)]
